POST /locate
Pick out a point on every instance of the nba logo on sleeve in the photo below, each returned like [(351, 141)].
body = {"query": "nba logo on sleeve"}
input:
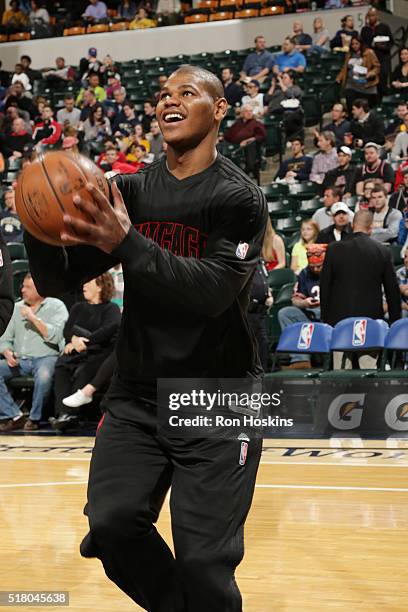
[(242, 250), (305, 336), (359, 332)]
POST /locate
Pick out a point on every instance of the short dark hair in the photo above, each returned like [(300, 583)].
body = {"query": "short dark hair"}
[(336, 191), (212, 83), (105, 281), (379, 188), (297, 139), (361, 103), (69, 96), (26, 57)]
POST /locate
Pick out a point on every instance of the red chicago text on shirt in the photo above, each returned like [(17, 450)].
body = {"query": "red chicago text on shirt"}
[(177, 238)]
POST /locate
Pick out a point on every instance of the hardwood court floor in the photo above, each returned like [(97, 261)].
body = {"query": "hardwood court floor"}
[(327, 531)]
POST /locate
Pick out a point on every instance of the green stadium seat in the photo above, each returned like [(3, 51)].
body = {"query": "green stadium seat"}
[(278, 278), (275, 191), (312, 108), (308, 207), (17, 251), (303, 191), (289, 224)]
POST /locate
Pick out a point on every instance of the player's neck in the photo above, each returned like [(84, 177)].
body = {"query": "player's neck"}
[(188, 163)]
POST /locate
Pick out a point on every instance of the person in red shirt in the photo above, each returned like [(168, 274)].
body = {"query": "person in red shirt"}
[(249, 134), (111, 162), (48, 131)]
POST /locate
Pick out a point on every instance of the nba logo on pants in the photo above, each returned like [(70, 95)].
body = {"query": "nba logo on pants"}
[(359, 332), (305, 336), (243, 453)]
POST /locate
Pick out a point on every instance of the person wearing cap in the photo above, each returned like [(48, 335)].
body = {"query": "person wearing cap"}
[(95, 11), (340, 126), (305, 300), (386, 220), (258, 64), (374, 168), (70, 143), (365, 126), (89, 64), (344, 176), (289, 58), (341, 228), (326, 159), (254, 99), (298, 166), (352, 280), (322, 216)]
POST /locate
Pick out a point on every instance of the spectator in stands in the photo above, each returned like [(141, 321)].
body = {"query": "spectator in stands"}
[(259, 63), (399, 199), (48, 131), (100, 381), (364, 201), (399, 79), (149, 110), (61, 74), (96, 11), (16, 140), (155, 138), (345, 175), (90, 333), (33, 75), (273, 250), (400, 148), (298, 166), (168, 12), (109, 70), (89, 65), (232, 91), (323, 217), (19, 76), (308, 234), (402, 279), (18, 96), (30, 346), (127, 10), (126, 121), (12, 113), (339, 125), (289, 58), (305, 300), (249, 134), (326, 159), (254, 99), (302, 41), (360, 74), (110, 144), (69, 115), (96, 128), (89, 102), (320, 38), (386, 220), (343, 36), (100, 93), (38, 15), (10, 224), (111, 162), (136, 138), (142, 21), (378, 36), (114, 109), (341, 227), (71, 143), (365, 126), (13, 19), (351, 286), (396, 124), (283, 87), (374, 168)]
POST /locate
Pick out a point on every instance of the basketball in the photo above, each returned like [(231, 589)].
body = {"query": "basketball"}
[(45, 191)]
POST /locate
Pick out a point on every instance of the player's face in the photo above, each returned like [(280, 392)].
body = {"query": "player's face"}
[(186, 111)]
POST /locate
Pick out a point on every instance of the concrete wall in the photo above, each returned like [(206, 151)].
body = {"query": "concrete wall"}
[(188, 39)]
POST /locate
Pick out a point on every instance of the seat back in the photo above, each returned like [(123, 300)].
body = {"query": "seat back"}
[(397, 338), (359, 334), (307, 338)]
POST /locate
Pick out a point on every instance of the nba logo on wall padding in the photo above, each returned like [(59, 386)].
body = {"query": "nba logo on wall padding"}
[(305, 336), (359, 332)]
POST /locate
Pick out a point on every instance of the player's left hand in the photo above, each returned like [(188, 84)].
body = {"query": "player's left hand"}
[(110, 223)]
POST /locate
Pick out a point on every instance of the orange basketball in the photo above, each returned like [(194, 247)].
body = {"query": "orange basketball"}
[(45, 191)]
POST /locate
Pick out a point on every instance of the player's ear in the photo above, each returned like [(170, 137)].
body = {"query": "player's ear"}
[(220, 109)]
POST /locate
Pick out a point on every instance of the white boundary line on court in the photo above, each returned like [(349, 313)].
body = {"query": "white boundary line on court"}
[(258, 486)]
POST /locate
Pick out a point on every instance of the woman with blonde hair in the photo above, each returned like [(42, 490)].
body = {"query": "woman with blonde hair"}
[(273, 250), (308, 234)]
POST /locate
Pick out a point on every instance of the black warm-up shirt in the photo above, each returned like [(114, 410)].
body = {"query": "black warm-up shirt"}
[(187, 261)]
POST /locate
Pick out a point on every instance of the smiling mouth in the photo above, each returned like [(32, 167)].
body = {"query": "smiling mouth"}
[(173, 118)]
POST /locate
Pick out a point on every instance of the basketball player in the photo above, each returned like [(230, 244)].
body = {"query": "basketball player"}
[(188, 232)]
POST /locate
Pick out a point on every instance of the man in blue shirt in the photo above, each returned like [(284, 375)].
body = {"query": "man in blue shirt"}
[(289, 58), (96, 11), (259, 63)]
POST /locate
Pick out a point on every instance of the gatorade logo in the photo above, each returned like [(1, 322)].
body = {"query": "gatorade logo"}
[(346, 411), (396, 413)]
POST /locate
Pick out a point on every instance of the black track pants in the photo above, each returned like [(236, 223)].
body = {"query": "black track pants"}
[(131, 471)]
